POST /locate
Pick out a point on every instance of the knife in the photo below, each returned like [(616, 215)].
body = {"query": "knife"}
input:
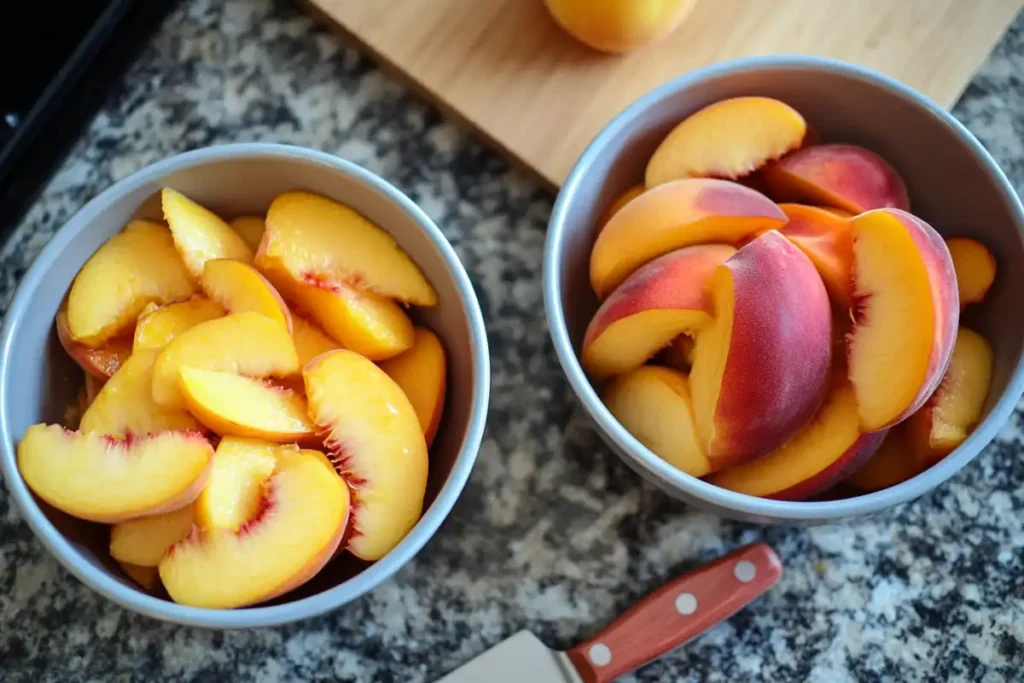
[(663, 620)]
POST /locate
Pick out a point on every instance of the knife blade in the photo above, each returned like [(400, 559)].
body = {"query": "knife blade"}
[(661, 621)]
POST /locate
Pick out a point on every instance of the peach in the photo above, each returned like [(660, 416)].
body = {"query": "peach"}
[(199, 234), (92, 389), (761, 367), (679, 354), (310, 340), (377, 443), (145, 541), (952, 412), (654, 405), (421, 372), (147, 577), (846, 177), (292, 533), (660, 301), (233, 405), (975, 268), (100, 362), (825, 238), (234, 492), (158, 326), (618, 26), (312, 237), (891, 464), (243, 343), (818, 456), (238, 287), (678, 214), (620, 201), (133, 268), (905, 315), (124, 407), (728, 139), (103, 479), (250, 229)]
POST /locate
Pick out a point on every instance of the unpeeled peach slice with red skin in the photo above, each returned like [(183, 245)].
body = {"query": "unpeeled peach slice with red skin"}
[(234, 492), (133, 268), (761, 367), (377, 444), (654, 405), (678, 214), (660, 301), (98, 363), (157, 327), (310, 340), (421, 372), (906, 313), (239, 287), (891, 464), (143, 542), (727, 139), (846, 177), (103, 479), (199, 234), (825, 238), (250, 229), (975, 268)]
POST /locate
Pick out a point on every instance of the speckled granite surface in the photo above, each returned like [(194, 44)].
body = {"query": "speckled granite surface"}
[(553, 532)]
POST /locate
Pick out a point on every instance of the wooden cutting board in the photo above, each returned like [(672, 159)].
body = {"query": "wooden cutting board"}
[(505, 68)]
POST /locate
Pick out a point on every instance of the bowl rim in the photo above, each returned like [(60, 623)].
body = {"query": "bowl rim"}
[(653, 466), (344, 592)]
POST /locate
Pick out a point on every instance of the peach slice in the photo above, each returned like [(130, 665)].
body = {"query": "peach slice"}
[(98, 363), (952, 412), (619, 26), (620, 201), (233, 405), (234, 491), (291, 534), (846, 177), (314, 237), (761, 367), (378, 445), (664, 299), (905, 315), (975, 268), (124, 407), (655, 406), (109, 480), (145, 541), (310, 340), (239, 287), (133, 268), (727, 139), (199, 234), (825, 238), (250, 229), (243, 343), (891, 464), (157, 327), (678, 214), (421, 372), (147, 577), (820, 455)]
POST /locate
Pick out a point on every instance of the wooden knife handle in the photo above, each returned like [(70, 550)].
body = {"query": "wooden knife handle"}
[(678, 611)]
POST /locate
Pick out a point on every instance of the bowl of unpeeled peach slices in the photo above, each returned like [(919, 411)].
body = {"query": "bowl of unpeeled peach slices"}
[(256, 398), (772, 316)]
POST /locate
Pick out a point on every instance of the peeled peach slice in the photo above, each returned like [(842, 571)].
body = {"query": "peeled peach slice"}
[(199, 234), (654, 405), (820, 455), (975, 268), (243, 343), (103, 479), (314, 237), (620, 201), (294, 531), (846, 177), (147, 577), (952, 412), (100, 362), (250, 229), (133, 268), (761, 367), (727, 139), (421, 372), (825, 238), (157, 327), (678, 214), (124, 407), (664, 299), (378, 445), (891, 464), (234, 405), (905, 315), (239, 287), (145, 541), (310, 340)]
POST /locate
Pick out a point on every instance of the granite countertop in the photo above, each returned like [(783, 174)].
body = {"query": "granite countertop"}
[(553, 532)]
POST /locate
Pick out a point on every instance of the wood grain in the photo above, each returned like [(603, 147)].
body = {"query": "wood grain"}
[(506, 69)]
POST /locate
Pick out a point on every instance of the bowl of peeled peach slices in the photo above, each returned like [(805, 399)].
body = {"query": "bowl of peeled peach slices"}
[(783, 290), (252, 376)]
